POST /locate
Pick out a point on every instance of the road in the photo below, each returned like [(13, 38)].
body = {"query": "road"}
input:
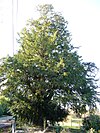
[(7, 124)]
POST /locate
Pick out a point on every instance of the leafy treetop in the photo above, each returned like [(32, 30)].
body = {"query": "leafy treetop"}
[(47, 74)]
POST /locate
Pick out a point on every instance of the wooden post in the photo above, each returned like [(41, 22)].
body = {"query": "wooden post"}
[(71, 122), (44, 123), (13, 125)]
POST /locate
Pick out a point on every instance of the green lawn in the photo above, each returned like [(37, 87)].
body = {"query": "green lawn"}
[(75, 131), (5, 130)]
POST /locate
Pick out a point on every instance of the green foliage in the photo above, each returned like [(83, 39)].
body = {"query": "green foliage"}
[(47, 74), (4, 106), (58, 112), (92, 121)]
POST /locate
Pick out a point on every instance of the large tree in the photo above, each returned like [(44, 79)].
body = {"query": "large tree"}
[(47, 74)]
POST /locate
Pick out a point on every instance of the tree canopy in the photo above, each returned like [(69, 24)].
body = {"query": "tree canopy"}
[(47, 75), (91, 122)]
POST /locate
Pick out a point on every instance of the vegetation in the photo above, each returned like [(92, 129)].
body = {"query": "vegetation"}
[(47, 75), (4, 106), (92, 122)]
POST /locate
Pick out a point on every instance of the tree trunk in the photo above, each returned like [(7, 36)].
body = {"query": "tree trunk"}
[(44, 123)]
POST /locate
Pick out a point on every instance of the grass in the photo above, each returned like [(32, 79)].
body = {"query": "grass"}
[(5, 130), (71, 127), (75, 130)]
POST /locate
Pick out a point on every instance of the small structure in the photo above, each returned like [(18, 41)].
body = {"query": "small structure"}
[(7, 121)]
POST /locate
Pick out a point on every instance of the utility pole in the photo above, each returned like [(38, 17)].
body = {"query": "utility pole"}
[(13, 125), (14, 22), (13, 27), (14, 18)]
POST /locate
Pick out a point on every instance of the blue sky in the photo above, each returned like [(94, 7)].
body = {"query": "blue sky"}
[(83, 17)]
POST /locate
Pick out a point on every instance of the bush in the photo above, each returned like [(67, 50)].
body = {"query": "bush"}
[(4, 106), (92, 122)]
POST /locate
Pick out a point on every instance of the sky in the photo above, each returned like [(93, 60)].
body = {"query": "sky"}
[(83, 17)]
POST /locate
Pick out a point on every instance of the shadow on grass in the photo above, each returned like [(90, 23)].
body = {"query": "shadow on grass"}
[(5, 130), (75, 131)]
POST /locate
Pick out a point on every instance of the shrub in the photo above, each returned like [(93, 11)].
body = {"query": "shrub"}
[(4, 106), (92, 122)]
